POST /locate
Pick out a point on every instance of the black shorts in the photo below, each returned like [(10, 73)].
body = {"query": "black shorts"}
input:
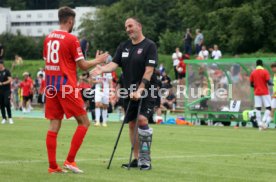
[(181, 75), (147, 109), (26, 98)]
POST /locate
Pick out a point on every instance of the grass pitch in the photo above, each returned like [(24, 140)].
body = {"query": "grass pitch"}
[(179, 153)]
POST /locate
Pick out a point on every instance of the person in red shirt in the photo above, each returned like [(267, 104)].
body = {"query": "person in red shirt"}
[(26, 87), (29, 104), (62, 54), (260, 79), (181, 68), (41, 95)]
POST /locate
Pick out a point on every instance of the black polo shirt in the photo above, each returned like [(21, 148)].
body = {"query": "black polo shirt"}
[(4, 77), (133, 60)]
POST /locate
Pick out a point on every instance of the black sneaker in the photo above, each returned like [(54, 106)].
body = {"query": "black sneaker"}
[(133, 164)]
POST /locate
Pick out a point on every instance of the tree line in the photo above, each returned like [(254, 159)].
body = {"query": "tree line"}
[(51, 4), (237, 26)]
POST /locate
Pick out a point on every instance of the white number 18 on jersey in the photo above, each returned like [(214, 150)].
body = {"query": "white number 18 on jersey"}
[(52, 53)]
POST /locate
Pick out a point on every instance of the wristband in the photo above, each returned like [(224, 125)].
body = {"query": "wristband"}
[(146, 82)]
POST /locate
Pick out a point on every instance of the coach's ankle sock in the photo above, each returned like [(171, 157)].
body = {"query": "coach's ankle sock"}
[(98, 114), (144, 127), (76, 142), (104, 115), (51, 144)]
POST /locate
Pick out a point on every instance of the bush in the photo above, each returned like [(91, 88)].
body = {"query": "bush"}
[(169, 41), (24, 46)]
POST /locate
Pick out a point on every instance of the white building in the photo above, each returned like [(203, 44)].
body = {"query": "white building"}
[(36, 23)]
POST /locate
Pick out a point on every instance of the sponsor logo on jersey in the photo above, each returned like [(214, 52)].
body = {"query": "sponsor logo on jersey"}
[(152, 61), (140, 51)]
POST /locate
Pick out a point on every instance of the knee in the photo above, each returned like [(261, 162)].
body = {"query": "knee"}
[(258, 108), (142, 120), (268, 108), (86, 124)]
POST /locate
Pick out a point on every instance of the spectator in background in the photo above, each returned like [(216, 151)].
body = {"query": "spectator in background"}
[(42, 86), (5, 93), (18, 60), (176, 57), (166, 81), (181, 68), (216, 53), (188, 42), (26, 87), (84, 46), (161, 68), (198, 41), (15, 94), (1, 52), (203, 54), (235, 73), (170, 101), (41, 71), (32, 92)]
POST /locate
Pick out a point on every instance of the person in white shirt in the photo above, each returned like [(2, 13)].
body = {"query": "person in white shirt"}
[(103, 84), (216, 53), (176, 57), (203, 54)]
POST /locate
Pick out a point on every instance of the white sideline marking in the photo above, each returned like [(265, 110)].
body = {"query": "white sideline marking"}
[(163, 157)]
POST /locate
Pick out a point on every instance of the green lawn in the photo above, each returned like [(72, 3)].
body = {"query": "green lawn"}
[(179, 153)]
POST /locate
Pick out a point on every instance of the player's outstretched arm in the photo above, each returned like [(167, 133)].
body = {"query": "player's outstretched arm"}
[(100, 58), (103, 69)]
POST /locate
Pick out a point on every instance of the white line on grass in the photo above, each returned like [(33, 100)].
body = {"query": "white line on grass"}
[(160, 157)]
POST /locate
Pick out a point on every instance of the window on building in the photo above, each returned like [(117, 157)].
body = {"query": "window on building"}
[(39, 15), (50, 15), (29, 15), (18, 16), (27, 23), (29, 31), (39, 30), (37, 23)]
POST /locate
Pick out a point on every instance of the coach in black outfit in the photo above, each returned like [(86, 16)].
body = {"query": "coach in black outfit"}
[(5, 93), (137, 57)]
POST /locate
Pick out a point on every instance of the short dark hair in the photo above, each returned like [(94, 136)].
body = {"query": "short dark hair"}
[(273, 65), (259, 62), (64, 13), (135, 19)]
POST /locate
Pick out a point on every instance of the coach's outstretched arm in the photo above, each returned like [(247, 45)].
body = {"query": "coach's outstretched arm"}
[(100, 58), (104, 69)]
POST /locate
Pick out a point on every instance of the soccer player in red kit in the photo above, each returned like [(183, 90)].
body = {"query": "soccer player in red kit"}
[(62, 54), (260, 79)]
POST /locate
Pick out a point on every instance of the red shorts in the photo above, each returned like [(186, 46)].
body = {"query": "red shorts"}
[(70, 105)]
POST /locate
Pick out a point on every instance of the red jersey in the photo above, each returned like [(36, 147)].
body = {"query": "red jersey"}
[(29, 79), (26, 86), (84, 85), (182, 65), (42, 86), (260, 77), (61, 52)]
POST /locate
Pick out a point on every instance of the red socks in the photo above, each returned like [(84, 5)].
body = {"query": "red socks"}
[(76, 142), (51, 143)]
